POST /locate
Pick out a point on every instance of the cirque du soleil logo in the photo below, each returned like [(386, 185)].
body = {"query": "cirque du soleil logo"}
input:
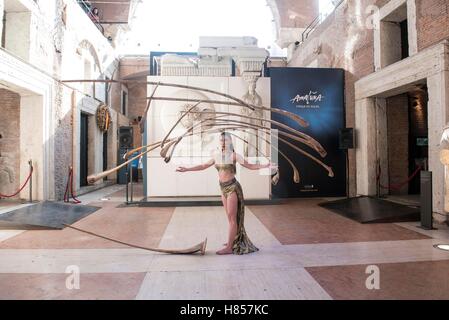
[(313, 97)]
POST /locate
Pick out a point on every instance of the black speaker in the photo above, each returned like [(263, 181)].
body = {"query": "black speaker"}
[(346, 138), (125, 137), (121, 174)]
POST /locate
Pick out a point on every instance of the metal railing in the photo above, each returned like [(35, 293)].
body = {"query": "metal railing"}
[(87, 7), (315, 23), (29, 180)]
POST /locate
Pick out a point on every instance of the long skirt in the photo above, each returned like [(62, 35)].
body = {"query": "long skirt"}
[(241, 244)]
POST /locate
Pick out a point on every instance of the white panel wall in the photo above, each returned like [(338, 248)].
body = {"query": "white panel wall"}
[(255, 184), (162, 180)]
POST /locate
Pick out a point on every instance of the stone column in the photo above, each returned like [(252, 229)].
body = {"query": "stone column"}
[(438, 116), (32, 145), (366, 153), (412, 27)]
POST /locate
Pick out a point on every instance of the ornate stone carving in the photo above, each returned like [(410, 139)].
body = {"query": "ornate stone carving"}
[(253, 98), (104, 119), (190, 118), (198, 114)]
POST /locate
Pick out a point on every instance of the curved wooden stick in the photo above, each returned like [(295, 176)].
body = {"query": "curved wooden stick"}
[(129, 153), (239, 101), (321, 151), (314, 145), (306, 138), (317, 145), (201, 247), (178, 121), (167, 147), (242, 103), (95, 177), (296, 176), (329, 169), (275, 179), (298, 119)]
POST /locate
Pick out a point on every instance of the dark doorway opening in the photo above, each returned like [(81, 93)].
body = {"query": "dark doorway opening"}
[(84, 140), (124, 102), (418, 135), (404, 39), (408, 150)]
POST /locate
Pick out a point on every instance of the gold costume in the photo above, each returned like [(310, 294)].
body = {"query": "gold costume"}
[(242, 244)]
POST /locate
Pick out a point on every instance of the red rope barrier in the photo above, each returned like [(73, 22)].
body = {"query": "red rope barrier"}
[(399, 186), (70, 185), (21, 189)]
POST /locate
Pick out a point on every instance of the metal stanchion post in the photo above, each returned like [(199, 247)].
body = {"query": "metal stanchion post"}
[(131, 181), (127, 182), (31, 180)]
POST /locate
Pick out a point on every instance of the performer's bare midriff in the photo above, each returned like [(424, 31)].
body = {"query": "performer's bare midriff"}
[(225, 160)]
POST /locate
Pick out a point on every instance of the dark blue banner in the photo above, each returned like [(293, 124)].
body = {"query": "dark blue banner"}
[(317, 95)]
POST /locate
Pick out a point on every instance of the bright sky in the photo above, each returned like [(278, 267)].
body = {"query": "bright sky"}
[(326, 7), (176, 25)]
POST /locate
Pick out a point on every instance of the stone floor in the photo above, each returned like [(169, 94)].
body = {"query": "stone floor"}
[(306, 252)]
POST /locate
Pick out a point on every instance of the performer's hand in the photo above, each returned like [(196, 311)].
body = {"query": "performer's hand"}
[(182, 169)]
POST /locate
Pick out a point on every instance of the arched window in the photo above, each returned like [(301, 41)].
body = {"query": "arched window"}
[(90, 67)]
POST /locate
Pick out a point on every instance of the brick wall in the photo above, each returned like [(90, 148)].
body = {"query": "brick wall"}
[(297, 13), (9, 142), (343, 41), (432, 22), (133, 67), (398, 135), (137, 101)]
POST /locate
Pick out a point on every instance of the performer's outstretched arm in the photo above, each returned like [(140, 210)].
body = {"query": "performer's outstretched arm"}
[(200, 167), (254, 166)]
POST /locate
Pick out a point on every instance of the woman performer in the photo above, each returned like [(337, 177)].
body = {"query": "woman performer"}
[(232, 194)]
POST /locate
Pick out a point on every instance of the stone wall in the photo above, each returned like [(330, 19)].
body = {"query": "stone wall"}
[(55, 39), (136, 68), (79, 39), (9, 142), (137, 102), (398, 136), (297, 13), (346, 40)]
